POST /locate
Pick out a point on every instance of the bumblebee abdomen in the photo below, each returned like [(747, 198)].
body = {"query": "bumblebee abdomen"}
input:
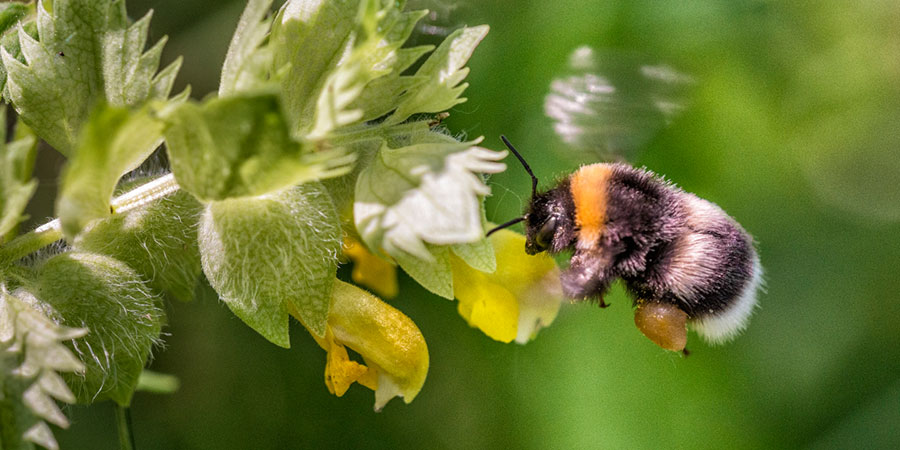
[(709, 270)]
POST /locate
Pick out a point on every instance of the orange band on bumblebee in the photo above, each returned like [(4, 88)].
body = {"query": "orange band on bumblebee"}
[(589, 192)]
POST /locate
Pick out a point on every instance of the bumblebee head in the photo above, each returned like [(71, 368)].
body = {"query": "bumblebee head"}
[(548, 219), (541, 222)]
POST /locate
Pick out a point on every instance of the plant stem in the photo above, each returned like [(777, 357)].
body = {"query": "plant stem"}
[(123, 422), (51, 231), (144, 194)]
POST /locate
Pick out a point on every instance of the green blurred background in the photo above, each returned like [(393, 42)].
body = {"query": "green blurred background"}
[(793, 127)]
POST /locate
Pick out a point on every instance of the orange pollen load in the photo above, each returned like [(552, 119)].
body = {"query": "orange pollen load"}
[(662, 323)]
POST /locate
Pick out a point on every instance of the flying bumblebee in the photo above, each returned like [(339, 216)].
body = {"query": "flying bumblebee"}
[(683, 260)]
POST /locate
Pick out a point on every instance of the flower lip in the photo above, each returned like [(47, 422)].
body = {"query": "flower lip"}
[(515, 301), (392, 347)]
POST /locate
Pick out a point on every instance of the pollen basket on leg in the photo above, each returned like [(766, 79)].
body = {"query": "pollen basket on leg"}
[(589, 194)]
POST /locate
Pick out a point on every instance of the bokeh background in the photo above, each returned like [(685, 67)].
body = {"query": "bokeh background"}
[(792, 126)]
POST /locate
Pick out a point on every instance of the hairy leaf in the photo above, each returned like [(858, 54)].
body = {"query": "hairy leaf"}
[(309, 39), (85, 51), (114, 142), (110, 299), (433, 274), (425, 192), (32, 354), (158, 240), (248, 61), (263, 254), (240, 146), (16, 184)]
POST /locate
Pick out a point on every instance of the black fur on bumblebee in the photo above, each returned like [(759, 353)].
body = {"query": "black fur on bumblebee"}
[(681, 258)]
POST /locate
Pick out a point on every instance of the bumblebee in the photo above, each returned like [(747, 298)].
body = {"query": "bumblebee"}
[(682, 259)]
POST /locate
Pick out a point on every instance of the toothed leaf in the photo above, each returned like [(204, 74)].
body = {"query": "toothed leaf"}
[(11, 15), (271, 254), (85, 51), (433, 273), (444, 71), (309, 39), (31, 353), (248, 61)]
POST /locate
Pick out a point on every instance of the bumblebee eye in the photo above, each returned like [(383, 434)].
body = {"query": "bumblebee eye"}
[(545, 235)]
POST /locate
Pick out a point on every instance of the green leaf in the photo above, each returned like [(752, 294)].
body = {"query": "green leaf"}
[(479, 254), (381, 95), (114, 142), (240, 146), (12, 14), (86, 51), (309, 38), (271, 255), (433, 274), (248, 61), (444, 71), (424, 192), (158, 240), (367, 82), (16, 184), (32, 354), (110, 299)]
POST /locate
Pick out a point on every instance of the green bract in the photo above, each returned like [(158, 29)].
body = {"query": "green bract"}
[(240, 146), (309, 39), (268, 255), (442, 75), (113, 302), (248, 62), (32, 355), (85, 51), (113, 142), (158, 241), (423, 192)]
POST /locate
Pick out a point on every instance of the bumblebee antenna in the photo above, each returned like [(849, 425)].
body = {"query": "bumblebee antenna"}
[(505, 225), (534, 180), (534, 183)]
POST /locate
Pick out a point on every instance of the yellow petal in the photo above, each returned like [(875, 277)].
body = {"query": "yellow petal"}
[(340, 371), (388, 341), (538, 306), (370, 270), (520, 297), (485, 305)]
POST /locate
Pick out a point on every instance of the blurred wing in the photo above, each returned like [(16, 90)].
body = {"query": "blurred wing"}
[(443, 18), (609, 105)]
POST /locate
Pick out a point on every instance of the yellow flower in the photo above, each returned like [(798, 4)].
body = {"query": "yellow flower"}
[(371, 271), (522, 296), (392, 347)]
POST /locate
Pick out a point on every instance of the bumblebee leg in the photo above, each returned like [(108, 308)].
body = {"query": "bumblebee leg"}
[(602, 303), (663, 323), (585, 278)]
